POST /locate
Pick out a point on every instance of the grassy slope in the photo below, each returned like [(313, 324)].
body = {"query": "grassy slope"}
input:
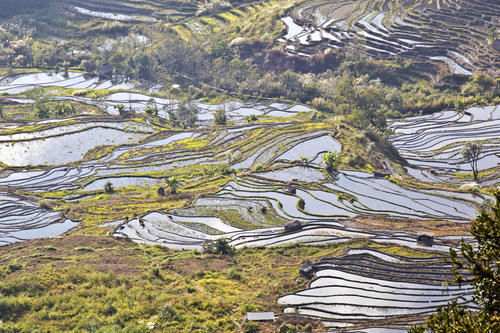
[(90, 283)]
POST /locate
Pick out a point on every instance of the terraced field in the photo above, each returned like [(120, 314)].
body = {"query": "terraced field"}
[(369, 286), (453, 32), (243, 182), (432, 144)]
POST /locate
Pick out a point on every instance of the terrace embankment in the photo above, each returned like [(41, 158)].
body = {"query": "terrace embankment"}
[(455, 33)]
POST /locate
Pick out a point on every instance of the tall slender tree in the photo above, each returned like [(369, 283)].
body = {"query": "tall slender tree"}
[(471, 152)]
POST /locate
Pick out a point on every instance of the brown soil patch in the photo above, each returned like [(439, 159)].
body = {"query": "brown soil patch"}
[(105, 254), (343, 12), (410, 226), (198, 265)]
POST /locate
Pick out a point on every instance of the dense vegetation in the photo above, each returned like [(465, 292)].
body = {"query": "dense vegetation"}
[(92, 282), (98, 284)]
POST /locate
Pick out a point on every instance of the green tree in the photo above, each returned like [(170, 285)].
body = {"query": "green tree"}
[(172, 182), (151, 107), (120, 108), (371, 102), (42, 111), (492, 33), (108, 187), (187, 113), (345, 92), (471, 152), (221, 246), (1, 108), (482, 261), (220, 117), (330, 161)]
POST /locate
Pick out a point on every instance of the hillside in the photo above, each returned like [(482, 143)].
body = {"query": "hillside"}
[(172, 165)]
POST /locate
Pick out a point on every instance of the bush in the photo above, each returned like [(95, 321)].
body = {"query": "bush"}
[(250, 327), (233, 274), (221, 246), (220, 117), (11, 308), (287, 328), (166, 314), (108, 187), (44, 204)]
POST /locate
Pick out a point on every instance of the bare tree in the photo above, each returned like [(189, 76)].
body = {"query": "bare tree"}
[(470, 153)]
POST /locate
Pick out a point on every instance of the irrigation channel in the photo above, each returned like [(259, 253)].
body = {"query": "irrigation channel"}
[(279, 179), (451, 32)]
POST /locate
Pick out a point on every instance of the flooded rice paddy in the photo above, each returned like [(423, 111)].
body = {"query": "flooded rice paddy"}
[(279, 178)]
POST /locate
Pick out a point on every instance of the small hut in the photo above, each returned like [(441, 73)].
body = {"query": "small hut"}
[(293, 226), (260, 316)]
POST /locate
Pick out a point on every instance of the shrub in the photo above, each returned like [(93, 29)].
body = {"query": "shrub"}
[(287, 328), (221, 246), (250, 327), (166, 313), (11, 308), (220, 117), (44, 204), (156, 272), (226, 170), (108, 187), (247, 307), (233, 274), (84, 249)]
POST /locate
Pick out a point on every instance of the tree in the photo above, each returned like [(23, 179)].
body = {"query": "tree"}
[(221, 246), (89, 65), (172, 183), (481, 260), (220, 117), (470, 153), (1, 108), (187, 113), (108, 187), (120, 108), (492, 33), (345, 92), (151, 107), (330, 161), (371, 102)]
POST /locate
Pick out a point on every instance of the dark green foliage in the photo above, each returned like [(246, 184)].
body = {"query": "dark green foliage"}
[(151, 108), (251, 118), (12, 308), (186, 114), (287, 328), (221, 246), (108, 187), (481, 262), (156, 272), (250, 327), (330, 161), (226, 170), (167, 313), (42, 111), (471, 152), (172, 182), (64, 109), (220, 117)]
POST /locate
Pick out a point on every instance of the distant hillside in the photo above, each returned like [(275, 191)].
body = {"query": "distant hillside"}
[(15, 7)]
